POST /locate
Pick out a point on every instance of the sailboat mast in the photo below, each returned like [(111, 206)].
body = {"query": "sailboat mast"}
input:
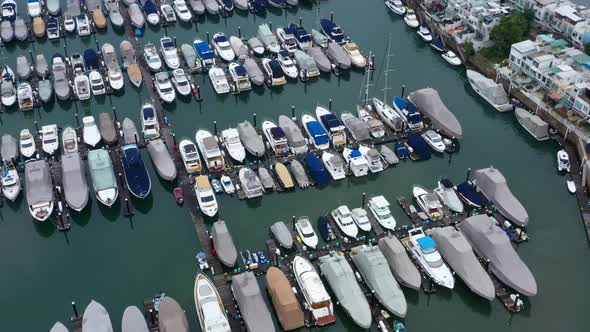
[(367, 87), (387, 70)]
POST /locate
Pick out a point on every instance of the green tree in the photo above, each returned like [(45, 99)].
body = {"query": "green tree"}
[(511, 29), (468, 48)]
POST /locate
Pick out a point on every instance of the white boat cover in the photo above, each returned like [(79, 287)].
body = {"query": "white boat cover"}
[(250, 138), (171, 316), (197, 6), (73, 9), (494, 186), (265, 178), (533, 123), (23, 68), (458, 253), (21, 31), (9, 147), (53, 7), (115, 13), (251, 183), (320, 59), (357, 127), (389, 155), (305, 61), (6, 31), (96, 318), (492, 244), (299, 174), (74, 181), (133, 320), (429, 103), (190, 56), (239, 48), (493, 91), (129, 131), (38, 185), (293, 133), (282, 234), (252, 306), (254, 72), (136, 15), (338, 56), (162, 159), (400, 264), (107, 128), (45, 90), (223, 244), (41, 65), (59, 327), (127, 53)]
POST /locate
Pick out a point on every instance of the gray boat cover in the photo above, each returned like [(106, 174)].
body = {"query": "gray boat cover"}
[(136, 15), (129, 131), (340, 276), (45, 90), (299, 174), (251, 182), (60, 82), (115, 13), (373, 267), (294, 135), (21, 31), (133, 320), (389, 155), (266, 35), (96, 318), (53, 7), (59, 327), (429, 103), (101, 170), (250, 138), (265, 178), (241, 4), (162, 159), (197, 6), (6, 31), (305, 61), (357, 127), (223, 244), (41, 65), (127, 53), (190, 56), (494, 186), (8, 147), (252, 306), (492, 244), (74, 181), (73, 9), (400, 264), (458, 253), (171, 316), (107, 128), (238, 46), (282, 234), (533, 123), (254, 72), (110, 56), (23, 67), (338, 56), (320, 59), (38, 186), (492, 90)]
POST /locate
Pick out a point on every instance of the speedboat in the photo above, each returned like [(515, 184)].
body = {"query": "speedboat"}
[(451, 58), (151, 12), (297, 143), (274, 70), (82, 86), (222, 47), (358, 164), (133, 320), (446, 193), (379, 207), (408, 112), (96, 318), (161, 159), (373, 157), (388, 115), (268, 39), (227, 184), (204, 52), (563, 161), (251, 139), (91, 133), (332, 31), (164, 87), (114, 70), (39, 189), (359, 130), (152, 57), (425, 251), (468, 193), (69, 140), (8, 10), (253, 308), (343, 220), (276, 137), (24, 94), (219, 80), (411, 19), (333, 126), (334, 165), (361, 219), (150, 127), (34, 7), (190, 156), (170, 53), (210, 151), (240, 77), (96, 83), (424, 33), (69, 24), (168, 12), (287, 38), (83, 25), (302, 38), (250, 183), (8, 90), (6, 31), (233, 144), (38, 28), (114, 13), (23, 68), (376, 127), (53, 28), (75, 186), (338, 57), (434, 140), (396, 6), (306, 233), (53, 7), (136, 175), (314, 293), (205, 196), (26, 143), (181, 82), (428, 202), (317, 134), (287, 64), (256, 46), (182, 11), (210, 310), (45, 90), (77, 63), (10, 181), (60, 80), (357, 58)]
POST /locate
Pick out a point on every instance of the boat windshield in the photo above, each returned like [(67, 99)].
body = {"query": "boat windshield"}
[(435, 263), (27, 144), (206, 199)]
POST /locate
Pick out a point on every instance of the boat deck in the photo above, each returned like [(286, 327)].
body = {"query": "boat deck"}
[(61, 215)]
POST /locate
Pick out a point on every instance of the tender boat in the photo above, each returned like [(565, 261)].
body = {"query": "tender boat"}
[(376, 127), (39, 189), (82, 25), (343, 283), (152, 57), (563, 161), (425, 252), (82, 86), (533, 124), (332, 125), (133, 320), (253, 308), (334, 165), (233, 144), (211, 7), (388, 115), (251, 139), (168, 12), (113, 67), (446, 192), (401, 266), (268, 39), (287, 306), (204, 53), (434, 140), (69, 140), (306, 233), (373, 157), (317, 170), (227, 184), (302, 38), (338, 56), (240, 49), (49, 139), (411, 19), (96, 318), (379, 207), (136, 175), (210, 310), (287, 38), (428, 202), (161, 159), (240, 77), (315, 132), (424, 33), (356, 162), (210, 151), (181, 82), (222, 47), (314, 293), (190, 156), (250, 183), (219, 80), (26, 99), (274, 71), (96, 83), (373, 267), (164, 87), (408, 112), (489, 90), (297, 143), (53, 28), (191, 58), (169, 52), (74, 181), (136, 15), (307, 66), (361, 219), (91, 133), (171, 316), (256, 46), (396, 6), (182, 11), (284, 176), (343, 219), (571, 185), (287, 64), (205, 196), (357, 58), (451, 58), (26, 143), (151, 12), (332, 31)]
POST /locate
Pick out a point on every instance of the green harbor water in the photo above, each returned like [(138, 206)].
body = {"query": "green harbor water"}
[(119, 261)]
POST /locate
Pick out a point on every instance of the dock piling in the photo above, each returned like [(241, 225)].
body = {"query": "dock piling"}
[(31, 55), (36, 126), (293, 223), (175, 41), (174, 141), (330, 105), (270, 25), (136, 139), (373, 61), (77, 119), (199, 99), (208, 37), (75, 309), (300, 21), (115, 113), (364, 197), (331, 16), (468, 174), (403, 89), (215, 128), (254, 119), (292, 111), (240, 32)]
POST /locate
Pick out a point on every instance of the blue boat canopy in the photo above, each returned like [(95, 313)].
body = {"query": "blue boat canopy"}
[(317, 132), (469, 191), (284, 53), (204, 50), (317, 170), (150, 7), (401, 150), (414, 118), (300, 33), (148, 113), (289, 30), (332, 30), (419, 145), (220, 39), (330, 121), (240, 70), (323, 227), (168, 43), (277, 133), (91, 58), (275, 66), (402, 103), (260, 4), (355, 153), (426, 243)]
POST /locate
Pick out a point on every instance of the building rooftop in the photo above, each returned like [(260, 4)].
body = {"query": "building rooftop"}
[(524, 46), (569, 12)]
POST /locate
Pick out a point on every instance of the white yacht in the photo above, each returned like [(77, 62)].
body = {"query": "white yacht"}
[(434, 140), (69, 140), (276, 137), (451, 58), (343, 219), (190, 156), (273, 70), (316, 296), (227, 184), (26, 143), (150, 126), (210, 310), (357, 163), (39, 188), (379, 207), (287, 39), (374, 159), (181, 82), (82, 86), (240, 77), (164, 87), (91, 133), (218, 79), (233, 144), (428, 202), (361, 219), (411, 19), (96, 83), (205, 196), (563, 161), (169, 52), (182, 11), (306, 233), (223, 47), (25, 96), (424, 250), (49, 139), (334, 165), (168, 12), (152, 57), (287, 64), (104, 182), (448, 196), (83, 25), (10, 181), (210, 151), (396, 6), (358, 59), (424, 33)]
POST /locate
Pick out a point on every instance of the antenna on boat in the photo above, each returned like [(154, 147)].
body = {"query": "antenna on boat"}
[(385, 87)]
